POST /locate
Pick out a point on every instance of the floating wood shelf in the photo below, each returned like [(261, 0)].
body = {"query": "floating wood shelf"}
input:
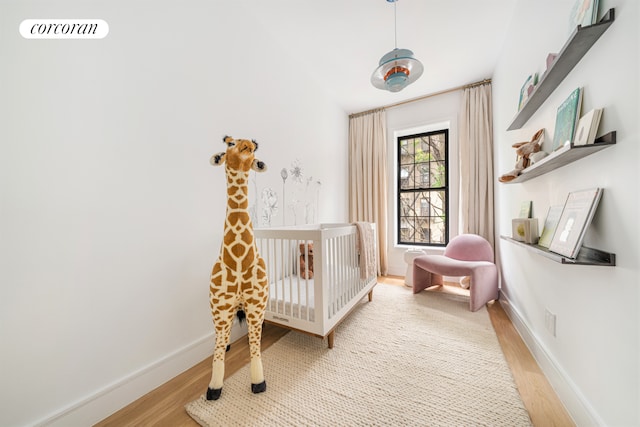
[(572, 52), (563, 157), (586, 256)]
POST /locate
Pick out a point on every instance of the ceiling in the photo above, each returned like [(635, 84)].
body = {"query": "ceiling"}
[(339, 42)]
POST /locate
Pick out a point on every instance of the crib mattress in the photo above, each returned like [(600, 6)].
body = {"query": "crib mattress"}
[(292, 296)]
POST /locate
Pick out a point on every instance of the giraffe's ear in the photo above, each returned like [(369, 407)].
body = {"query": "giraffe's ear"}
[(258, 166), (217, 159)]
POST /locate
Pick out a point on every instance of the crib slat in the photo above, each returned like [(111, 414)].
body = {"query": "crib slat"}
[(306, 279)]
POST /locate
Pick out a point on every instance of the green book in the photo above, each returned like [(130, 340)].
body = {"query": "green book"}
[(567, 120), (525, 209)]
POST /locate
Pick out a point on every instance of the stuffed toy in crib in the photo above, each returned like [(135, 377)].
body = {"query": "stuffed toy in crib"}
[(306, 269)]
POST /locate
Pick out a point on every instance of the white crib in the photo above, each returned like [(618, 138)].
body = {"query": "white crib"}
[(313, 305)]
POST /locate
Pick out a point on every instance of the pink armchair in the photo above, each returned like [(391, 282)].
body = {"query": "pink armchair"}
[(465, 255)]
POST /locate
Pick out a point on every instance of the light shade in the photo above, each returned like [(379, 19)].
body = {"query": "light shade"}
[(397, 69)]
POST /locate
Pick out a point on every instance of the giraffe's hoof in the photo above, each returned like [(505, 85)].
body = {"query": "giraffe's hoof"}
[(228, 347), (259, 388), (214, 393)]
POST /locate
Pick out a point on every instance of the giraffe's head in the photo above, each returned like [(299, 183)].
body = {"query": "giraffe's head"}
[(240, 155)]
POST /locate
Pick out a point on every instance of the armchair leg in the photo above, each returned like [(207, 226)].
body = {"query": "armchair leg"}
[(484, 287), (423, 279)]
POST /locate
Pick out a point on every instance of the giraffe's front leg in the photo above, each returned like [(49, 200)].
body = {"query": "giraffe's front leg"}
[(258, 383), (222, 318), (254, 307)]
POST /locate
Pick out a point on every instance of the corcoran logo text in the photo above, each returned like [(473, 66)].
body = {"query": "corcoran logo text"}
[(64, 29)]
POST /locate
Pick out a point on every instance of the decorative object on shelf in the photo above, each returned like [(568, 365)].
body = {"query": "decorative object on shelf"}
[(564, 156), (523, 152), (525, 230), (583, 13), (550, 60), (550, 224), (588, 127), (536, 157), (525, 209), (548, 63), (527, 89), (398, 68), (567, 120), (576, 216)]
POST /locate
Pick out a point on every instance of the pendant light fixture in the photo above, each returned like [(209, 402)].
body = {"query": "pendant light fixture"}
[(398, 68)]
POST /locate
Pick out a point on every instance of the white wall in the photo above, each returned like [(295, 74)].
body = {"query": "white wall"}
[(593, 361), (411, 118), (110, 214)]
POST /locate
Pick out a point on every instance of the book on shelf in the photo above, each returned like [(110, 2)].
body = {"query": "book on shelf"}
[(577, 213), (588, 127), (550, 224), (567, 120), (525, 209)]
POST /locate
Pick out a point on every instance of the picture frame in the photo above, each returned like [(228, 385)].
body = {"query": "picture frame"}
[(550, 225), (577, 213), (527, 90), (583, 13), (567, 118)]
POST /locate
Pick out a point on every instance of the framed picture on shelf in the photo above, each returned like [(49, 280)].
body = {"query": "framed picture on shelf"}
[(550, 224), (567, 120), (583, 13), (527, 90), (576, 216)]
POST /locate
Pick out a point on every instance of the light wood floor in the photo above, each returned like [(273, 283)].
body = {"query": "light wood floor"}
[(164, 406)]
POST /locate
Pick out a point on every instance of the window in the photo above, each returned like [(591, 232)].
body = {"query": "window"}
[(423, 189)]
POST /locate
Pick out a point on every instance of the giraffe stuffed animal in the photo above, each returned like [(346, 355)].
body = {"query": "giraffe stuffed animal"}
[(239, 278)]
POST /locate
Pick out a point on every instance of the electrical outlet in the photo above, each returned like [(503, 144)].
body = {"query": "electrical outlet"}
[(550, 322)]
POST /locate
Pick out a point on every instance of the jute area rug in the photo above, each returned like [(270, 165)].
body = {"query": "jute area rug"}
[(400, 360)]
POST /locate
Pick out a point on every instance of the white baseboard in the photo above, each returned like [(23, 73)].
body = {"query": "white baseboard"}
[(571, 397), (115, 396)]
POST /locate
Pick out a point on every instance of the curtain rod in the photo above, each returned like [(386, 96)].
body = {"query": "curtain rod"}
[(420, 98)]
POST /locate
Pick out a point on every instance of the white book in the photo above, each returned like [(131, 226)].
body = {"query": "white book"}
[(578, 211), (588, 127), (594, 126)]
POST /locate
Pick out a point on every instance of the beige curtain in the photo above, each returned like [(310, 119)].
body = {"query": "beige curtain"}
[(368, 175), (476, 162)]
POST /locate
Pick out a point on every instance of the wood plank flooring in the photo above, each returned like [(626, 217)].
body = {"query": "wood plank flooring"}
[(164, 406)]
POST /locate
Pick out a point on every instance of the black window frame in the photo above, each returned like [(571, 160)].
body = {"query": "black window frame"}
[(418, 189)]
